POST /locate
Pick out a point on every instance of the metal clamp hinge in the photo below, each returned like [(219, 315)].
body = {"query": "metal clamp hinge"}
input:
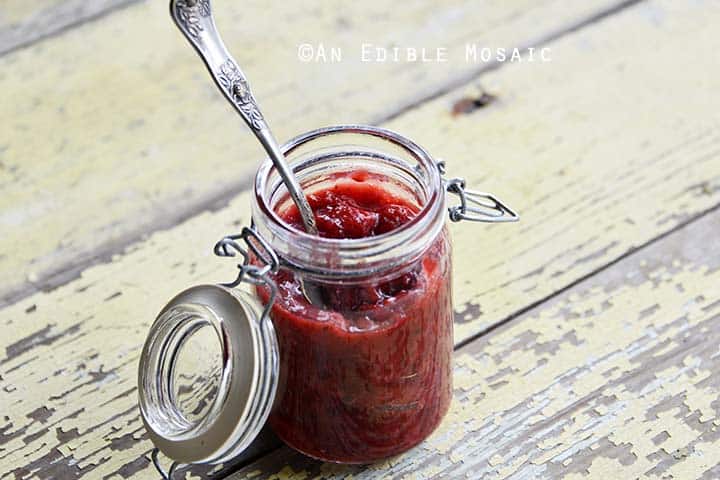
[(253, 272), (165, 474), (475, 206)]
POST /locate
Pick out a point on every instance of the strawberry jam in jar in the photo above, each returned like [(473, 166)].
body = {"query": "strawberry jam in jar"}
[(365, 361)]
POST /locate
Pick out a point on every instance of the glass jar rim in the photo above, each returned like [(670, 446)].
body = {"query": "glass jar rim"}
[(360, 251)]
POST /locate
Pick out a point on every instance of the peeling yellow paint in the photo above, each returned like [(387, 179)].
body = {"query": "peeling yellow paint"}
[(603, 468), (495, 460)]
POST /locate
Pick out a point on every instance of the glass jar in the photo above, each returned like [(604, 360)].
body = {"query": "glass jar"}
[(367, 375), (360, 372)]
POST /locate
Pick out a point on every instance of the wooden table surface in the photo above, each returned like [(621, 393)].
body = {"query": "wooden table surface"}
[(588, 335)]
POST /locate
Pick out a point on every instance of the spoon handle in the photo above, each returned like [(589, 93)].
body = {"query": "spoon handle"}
[(195, 20)]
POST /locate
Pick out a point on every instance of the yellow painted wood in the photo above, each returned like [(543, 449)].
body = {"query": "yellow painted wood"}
[(587, 148), (614, 379), (113, 129), (593, 154), (23, 21)]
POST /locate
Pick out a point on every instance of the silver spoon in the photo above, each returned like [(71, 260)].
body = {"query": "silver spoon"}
[(195, 20)]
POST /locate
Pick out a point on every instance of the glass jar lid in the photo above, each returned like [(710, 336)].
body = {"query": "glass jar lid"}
[(248, 378)]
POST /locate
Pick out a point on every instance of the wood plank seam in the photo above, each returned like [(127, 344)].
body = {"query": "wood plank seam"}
[(65, 274), (540, 302), (61, 28)]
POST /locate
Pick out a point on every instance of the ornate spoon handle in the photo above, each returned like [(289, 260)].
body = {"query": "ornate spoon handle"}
[(195, 20)]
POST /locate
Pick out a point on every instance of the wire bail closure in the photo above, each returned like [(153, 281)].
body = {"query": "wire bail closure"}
[(249, 273), (475, 206), (165, 475)]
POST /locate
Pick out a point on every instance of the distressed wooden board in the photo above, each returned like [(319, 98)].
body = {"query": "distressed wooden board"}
[(615, 378), (587, 148), (113, 129), (89, 331), (23, 22)]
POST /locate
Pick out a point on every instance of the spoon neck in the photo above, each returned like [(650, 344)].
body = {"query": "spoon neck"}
[(195, 20)]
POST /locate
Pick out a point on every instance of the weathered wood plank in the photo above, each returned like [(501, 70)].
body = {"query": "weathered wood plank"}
[(80, 343), (23, 22), (113, 129), (587, 148), (614, 379)]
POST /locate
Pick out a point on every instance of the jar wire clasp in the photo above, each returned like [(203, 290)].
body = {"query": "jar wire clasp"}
[(228, 246), (165, 474), (475, 206)]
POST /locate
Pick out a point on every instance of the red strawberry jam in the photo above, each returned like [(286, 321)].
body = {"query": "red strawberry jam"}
[(368, 374)]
